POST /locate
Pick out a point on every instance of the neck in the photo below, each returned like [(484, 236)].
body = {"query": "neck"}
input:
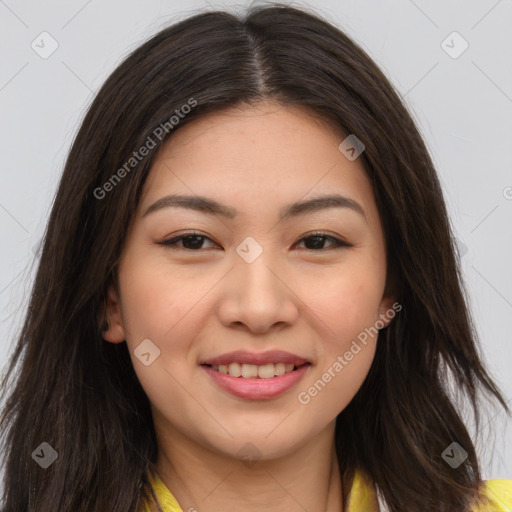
[(207, 481)]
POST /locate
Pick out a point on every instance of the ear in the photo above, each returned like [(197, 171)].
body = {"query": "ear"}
[(114, 331), (388, 308)]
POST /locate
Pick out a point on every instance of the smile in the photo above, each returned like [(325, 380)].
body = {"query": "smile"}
[(252, 371), (246, 382)]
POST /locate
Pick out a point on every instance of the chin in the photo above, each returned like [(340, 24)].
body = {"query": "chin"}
[(256, 444)]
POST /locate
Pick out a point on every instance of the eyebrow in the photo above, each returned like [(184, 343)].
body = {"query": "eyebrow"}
[(212, 207)]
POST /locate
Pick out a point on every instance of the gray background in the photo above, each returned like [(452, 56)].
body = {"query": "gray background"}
[(463, 107)]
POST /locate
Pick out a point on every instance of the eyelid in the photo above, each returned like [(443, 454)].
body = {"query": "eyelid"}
[(171, 242), (338, 241)]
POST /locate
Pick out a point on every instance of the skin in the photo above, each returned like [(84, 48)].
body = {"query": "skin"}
[(311, 300)]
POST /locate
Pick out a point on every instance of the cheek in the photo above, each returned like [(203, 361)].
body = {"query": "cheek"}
[(154, 302), (341, 369), (160, 308), (346, 309), (347, 303), (169, 309), (336, 384)]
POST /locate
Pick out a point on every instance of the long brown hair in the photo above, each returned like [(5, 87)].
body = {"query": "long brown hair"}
[(81, 395)]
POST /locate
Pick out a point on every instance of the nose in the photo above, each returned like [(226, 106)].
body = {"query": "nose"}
[(258, 296)]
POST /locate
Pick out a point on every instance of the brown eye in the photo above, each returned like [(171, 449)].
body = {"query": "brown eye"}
[(190, 242), (317, 240), (194, 242)]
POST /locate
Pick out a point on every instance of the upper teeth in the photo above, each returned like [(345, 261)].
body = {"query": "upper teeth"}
[(251, 371)]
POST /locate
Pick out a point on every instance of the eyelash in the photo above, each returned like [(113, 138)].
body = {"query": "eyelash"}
[(172, 243)]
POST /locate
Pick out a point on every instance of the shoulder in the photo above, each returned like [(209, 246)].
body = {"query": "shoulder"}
[(498, 496)]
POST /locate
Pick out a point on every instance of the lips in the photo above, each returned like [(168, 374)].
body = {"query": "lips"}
[(256, 376)]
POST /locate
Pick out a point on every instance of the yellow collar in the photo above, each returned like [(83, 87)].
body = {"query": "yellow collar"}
[(362, 496)]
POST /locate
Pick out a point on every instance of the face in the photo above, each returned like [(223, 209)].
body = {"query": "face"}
[(254, 285)]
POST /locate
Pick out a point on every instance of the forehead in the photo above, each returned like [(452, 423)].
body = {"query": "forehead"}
[(245, 156)]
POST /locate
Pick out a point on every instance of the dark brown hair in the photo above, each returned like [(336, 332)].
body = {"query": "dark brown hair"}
[(81, 395)]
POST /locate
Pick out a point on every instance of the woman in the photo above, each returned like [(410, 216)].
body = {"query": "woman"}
[(248, 294)]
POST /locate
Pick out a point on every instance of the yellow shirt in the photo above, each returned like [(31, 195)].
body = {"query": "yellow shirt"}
[(362, 496)]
